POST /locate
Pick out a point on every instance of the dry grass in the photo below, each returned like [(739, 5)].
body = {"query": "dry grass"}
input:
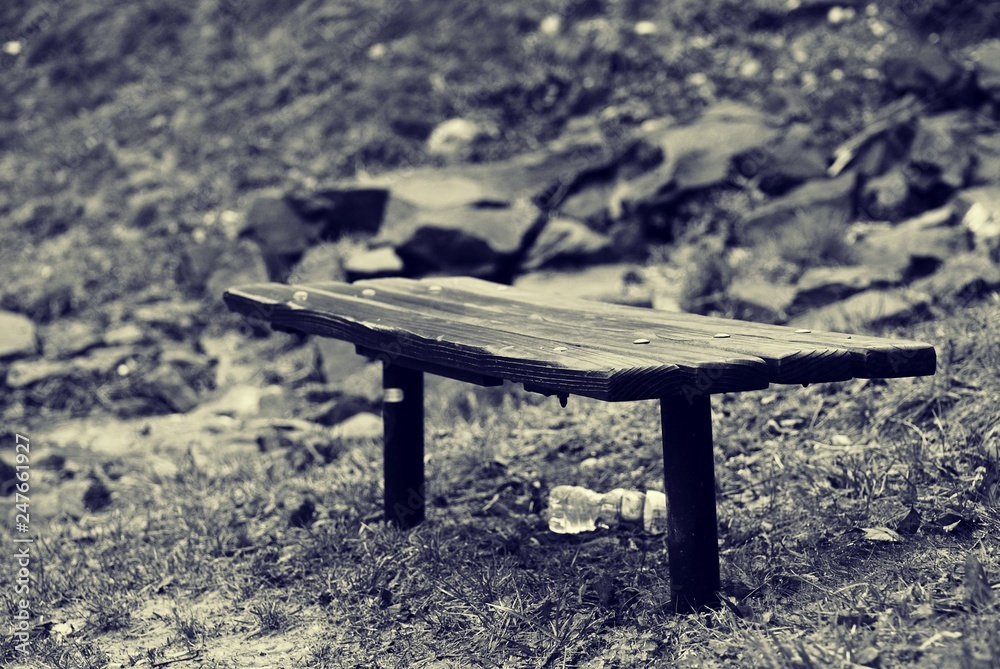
[(806, 478)]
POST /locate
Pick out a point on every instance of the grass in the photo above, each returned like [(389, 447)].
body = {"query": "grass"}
[(806, 477)]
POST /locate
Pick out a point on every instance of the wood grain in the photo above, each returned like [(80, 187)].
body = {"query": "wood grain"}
[(566, 345), (520, 357)]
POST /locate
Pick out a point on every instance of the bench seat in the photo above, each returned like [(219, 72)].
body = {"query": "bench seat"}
[(485, 333)]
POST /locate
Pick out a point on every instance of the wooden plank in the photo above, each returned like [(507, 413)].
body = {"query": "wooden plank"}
[(522, 358), (512, 318), (433, 368), (787, 362), (872, 357)]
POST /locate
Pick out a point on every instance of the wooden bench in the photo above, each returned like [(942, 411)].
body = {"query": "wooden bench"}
[(483, 333)]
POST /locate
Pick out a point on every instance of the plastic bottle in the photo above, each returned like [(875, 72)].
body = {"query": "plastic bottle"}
[(574, 509)]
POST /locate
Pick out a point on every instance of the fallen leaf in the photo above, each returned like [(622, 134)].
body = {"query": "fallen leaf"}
[(881, 534), (938, 637), (978, 594), (910, 523)]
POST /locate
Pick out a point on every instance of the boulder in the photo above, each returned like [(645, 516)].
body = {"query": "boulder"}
[(940, 155), (886, 197), (565, 241), (241, 263), (760, 301), (794, 158), (280, 232), (961, 278), (341, 209), (919, 245), (819, 286), (320, 262), (68, 337), (695, 156), (869, 309), (459, 224), (373, 263), (819, 200), (17, 336), (617, 283)]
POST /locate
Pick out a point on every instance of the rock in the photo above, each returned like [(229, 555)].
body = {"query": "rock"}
[(373, 263), (761, 301), (69, 337), (920, 244), (564, 241), (695, 156), (280, 232), (168, 385), (979, 209), (483, 241), (127, 334), (476, 220), (924, 69), (617, 283), (240, 264), (961, 278), (940, 155), (320, 262), (17, 336), (101, 361), (870, 309), (794, 158), (341, 209), (819, 286), (362, 425), (175, 317), (986, 60), (886, 197), (455, 138), (820, 200)]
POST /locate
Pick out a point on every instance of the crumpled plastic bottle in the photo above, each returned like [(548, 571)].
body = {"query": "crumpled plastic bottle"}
[(575, 509)]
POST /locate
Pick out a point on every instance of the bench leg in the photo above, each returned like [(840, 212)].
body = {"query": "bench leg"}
[(403, 444), (689, 477)]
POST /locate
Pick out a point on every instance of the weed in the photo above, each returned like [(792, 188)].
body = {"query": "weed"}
[(271, 616), (113, 610)]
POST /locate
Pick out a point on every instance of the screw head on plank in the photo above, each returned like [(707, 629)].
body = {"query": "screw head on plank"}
[(300, 296), (721, 335), (368, 292), (802, 331), (641, 341)]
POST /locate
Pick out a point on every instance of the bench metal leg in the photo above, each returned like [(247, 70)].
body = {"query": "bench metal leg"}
[(689, 477), (403, 444)]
